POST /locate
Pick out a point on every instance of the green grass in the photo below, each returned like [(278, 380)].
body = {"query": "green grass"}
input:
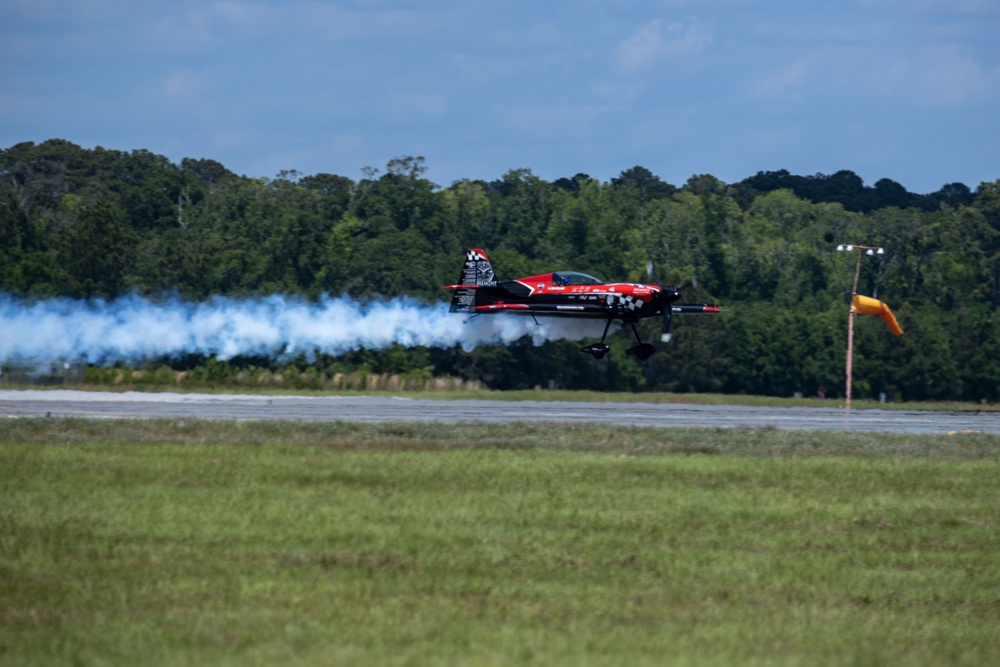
[(193, 543)]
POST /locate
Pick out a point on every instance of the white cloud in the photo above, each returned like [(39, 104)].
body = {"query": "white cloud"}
[(184, 84), (642, 48), (951, 75), (784, 82), (654, 41), (937, 75)]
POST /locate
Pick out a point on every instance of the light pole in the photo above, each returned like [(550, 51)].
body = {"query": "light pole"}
[(870, 250)]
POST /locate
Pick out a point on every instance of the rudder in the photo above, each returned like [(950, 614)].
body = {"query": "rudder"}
[(476, 272)]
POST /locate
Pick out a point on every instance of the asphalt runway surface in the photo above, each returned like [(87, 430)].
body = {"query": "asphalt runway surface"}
[(141, 405)]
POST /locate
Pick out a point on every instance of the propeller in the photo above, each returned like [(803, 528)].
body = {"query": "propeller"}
[(668, 313), (683, 285), (690, 282), (668, 317)]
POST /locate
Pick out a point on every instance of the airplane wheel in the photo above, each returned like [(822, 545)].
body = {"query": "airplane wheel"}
[(597, 350)]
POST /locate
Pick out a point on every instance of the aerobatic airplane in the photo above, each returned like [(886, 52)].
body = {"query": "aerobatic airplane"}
[(568, 294)]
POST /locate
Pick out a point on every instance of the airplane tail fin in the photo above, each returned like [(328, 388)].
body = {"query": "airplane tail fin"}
[(476, 272)]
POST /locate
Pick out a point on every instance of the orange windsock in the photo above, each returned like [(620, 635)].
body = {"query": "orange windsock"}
[(868, 306)]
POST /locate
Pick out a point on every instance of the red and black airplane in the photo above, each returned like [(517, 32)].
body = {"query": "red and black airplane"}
[(568, 294)]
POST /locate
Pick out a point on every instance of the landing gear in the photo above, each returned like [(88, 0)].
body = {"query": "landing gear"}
[(597, 349), (642, 351)]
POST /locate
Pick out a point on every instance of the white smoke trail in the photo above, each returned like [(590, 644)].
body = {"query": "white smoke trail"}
[(132, 329)]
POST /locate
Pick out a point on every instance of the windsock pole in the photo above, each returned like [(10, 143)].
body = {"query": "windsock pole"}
[(871, 250), (850, 334)]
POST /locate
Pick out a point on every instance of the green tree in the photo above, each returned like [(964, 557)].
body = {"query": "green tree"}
[(647, 184), (98, 251), (521, 206), (987, 202)]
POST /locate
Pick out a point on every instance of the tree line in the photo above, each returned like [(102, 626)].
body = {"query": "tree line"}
[(98, 223)]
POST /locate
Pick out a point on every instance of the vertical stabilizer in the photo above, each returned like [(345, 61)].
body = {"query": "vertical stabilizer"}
[(476, 272)]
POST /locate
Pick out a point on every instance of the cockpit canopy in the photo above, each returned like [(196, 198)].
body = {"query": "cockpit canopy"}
[(563, 278)]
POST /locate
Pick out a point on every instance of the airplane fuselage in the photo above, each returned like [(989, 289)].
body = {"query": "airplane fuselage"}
[(541, 295)]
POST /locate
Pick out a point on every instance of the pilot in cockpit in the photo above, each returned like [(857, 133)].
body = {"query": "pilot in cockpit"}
[(575, 277)]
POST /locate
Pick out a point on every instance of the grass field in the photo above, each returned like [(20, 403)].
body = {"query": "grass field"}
[(210, 543)]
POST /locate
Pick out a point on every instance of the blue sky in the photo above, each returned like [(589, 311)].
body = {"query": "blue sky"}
[(904, 89)]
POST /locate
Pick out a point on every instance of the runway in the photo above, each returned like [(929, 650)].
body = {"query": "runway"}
[(141, 405)]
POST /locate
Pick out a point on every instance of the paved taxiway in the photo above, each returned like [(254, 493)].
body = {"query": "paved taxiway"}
[(130, 405)]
